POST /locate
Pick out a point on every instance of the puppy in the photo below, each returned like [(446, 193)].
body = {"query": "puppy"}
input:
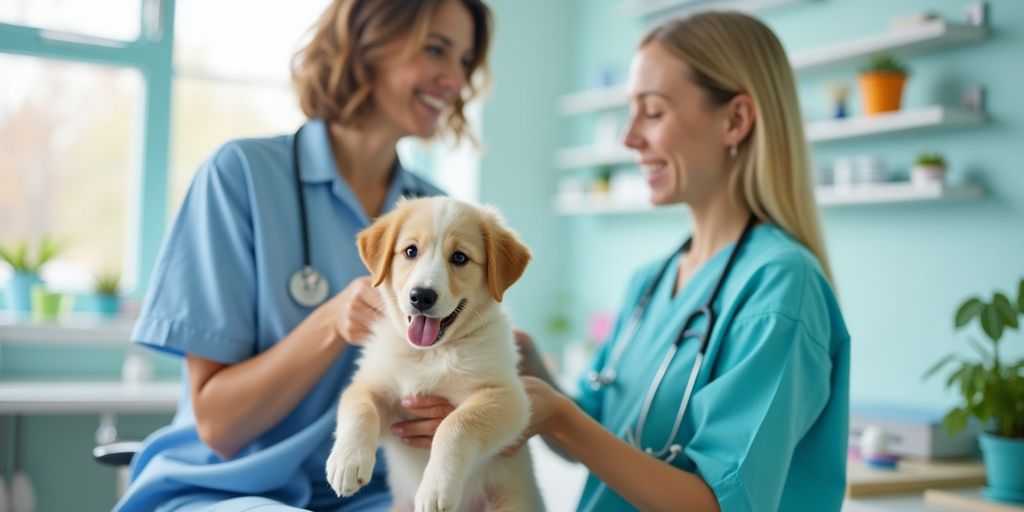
[(442, 266)]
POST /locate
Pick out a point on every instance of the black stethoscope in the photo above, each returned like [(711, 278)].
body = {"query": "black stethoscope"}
[(608, 374), (307, 286)]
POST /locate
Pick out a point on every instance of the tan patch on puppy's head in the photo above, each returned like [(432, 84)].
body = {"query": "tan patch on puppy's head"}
[(506, 255), (377, 243)]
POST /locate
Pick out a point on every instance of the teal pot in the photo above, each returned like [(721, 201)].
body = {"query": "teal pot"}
[(107, 306), (1004, 467), (19, 292)]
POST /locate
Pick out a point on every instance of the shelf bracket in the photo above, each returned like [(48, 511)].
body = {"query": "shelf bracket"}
[(973, 98), (976, 13)]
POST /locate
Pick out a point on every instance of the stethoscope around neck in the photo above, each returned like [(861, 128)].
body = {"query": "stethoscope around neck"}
[(307, 286), (609, 373)]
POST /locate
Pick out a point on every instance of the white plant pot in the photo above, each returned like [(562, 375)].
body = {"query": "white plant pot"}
[(925, 175)]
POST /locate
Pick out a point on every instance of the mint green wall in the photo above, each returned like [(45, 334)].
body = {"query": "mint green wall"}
[(901, 270), (531, 66)]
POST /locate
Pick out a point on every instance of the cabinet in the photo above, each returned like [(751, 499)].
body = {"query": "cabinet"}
[(901, 41)]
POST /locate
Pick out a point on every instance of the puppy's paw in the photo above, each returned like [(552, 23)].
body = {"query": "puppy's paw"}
[(437, 495), (349, 468)]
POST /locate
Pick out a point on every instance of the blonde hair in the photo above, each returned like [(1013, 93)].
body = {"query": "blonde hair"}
[(732, 53), (334, 75)]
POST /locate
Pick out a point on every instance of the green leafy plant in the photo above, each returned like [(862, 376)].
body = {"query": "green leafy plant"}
[(108, 282), (18, 255), (935, 159), (884, 63), (992, 389)]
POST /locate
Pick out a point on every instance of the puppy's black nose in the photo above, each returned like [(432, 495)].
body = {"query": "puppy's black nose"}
[(422, 298)]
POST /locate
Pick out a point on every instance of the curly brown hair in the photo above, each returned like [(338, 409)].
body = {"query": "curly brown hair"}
[(333, 74)]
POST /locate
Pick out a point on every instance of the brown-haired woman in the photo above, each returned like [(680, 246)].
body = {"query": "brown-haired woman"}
[(268, 342)]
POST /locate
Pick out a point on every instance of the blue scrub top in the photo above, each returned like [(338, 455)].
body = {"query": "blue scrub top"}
[(220, 292), (767, 424)]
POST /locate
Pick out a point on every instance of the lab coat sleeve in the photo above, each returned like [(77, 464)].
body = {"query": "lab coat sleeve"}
[(201, 299), (769, 390)]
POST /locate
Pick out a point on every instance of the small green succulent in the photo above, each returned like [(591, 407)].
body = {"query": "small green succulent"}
[(885, 63), (935, 159), (108, 282)]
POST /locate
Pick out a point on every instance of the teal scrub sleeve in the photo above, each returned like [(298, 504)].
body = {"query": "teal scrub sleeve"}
[(770, 388), (202, 296), (586, 397)]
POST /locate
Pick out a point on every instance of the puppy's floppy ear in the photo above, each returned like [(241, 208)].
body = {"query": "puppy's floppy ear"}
[(377, 243), (506, 255)]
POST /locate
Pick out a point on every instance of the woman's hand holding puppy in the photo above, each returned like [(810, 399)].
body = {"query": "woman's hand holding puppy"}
[(429, 412)]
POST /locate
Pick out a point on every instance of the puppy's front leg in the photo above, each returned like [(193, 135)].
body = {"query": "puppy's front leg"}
[(350, 465), (488, 421)]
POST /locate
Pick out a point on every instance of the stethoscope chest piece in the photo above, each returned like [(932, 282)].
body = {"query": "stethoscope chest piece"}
[(308, 287)]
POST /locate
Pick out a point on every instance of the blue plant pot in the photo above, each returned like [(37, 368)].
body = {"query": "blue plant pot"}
[(19, 292), (107, 305), (1004, 467)]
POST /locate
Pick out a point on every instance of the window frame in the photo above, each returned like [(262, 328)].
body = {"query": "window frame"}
[(152, 55)]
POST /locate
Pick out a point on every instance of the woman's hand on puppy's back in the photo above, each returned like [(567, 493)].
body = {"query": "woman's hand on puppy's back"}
[(356, 308)]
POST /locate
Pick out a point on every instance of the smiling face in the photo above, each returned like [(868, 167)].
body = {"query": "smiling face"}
[(416, 86), (443, 265), (679, 136)]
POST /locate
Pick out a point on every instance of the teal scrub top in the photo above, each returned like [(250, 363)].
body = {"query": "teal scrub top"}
[(220, 292), (767, 424)]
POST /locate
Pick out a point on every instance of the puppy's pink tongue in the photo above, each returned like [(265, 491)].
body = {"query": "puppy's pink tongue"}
[(423, 330)]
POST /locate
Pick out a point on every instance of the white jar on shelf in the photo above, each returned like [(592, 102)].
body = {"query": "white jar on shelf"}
[(871, 169)]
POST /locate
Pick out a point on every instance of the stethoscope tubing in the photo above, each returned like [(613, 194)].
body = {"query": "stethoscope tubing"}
[(301, 195), (307, 286), (608, 374)]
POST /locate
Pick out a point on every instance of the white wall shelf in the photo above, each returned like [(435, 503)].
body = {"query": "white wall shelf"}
[(896, 192), (924, 36), (881, 193), (654, 10), (901, 41), (931, 117), (594, 156), (76, 397), (593, 100), (75, 330), (935, 116)]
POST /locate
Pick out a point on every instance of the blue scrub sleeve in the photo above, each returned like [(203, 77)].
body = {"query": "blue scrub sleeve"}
[(202, 296), (770, 389)]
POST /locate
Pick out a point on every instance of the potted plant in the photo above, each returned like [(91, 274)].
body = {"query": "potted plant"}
[(107, 290), (930, 169), (881, 84), (48, 305), (26, 270), (993, 393)]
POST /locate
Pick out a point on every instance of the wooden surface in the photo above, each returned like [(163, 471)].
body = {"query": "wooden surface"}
[(967, 501), (911, 475)]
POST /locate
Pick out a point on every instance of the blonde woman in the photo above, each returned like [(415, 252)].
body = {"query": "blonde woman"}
[(756, 418), (268, 344)]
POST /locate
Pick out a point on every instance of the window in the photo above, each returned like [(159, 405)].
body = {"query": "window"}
[(65, 150), (232, 76), (116, 20), (101, 133)]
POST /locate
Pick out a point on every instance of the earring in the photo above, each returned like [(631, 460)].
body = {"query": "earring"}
[(733, 151)]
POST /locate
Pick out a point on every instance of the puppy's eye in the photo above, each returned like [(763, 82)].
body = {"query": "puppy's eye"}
[(411, 252), (459, 258)]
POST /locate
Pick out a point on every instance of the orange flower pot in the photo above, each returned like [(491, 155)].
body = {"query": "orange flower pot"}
[(881, 92)]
